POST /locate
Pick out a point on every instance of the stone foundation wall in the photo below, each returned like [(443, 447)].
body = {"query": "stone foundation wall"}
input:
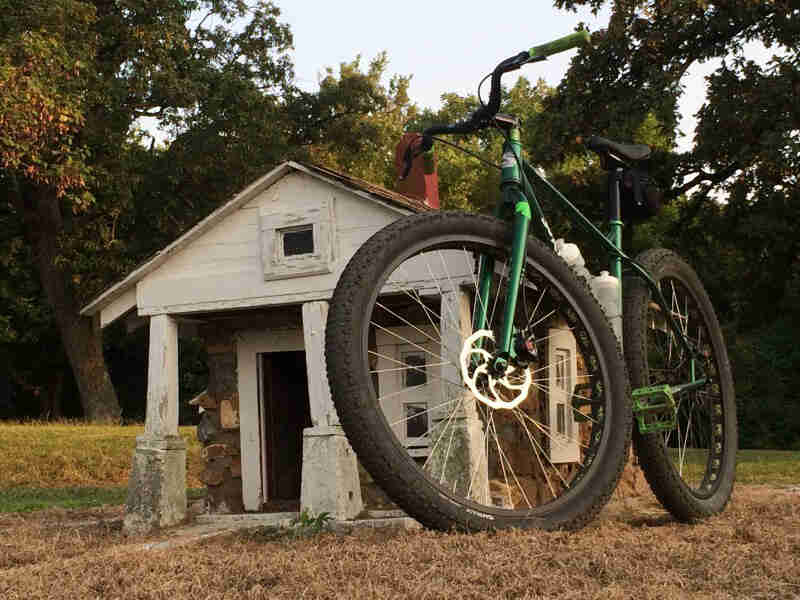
[(218, 430)]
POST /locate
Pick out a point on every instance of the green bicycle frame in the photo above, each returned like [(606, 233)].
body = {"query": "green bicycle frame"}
[(518, 204)]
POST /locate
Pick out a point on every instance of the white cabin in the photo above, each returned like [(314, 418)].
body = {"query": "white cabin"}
[(253, 279)]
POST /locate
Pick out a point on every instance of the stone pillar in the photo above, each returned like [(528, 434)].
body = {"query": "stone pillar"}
[(218, 430), (458, 454), (157, 485), (330, 472)]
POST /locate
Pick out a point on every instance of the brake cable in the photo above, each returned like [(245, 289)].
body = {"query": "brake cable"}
[(474, 155), (480, 100)]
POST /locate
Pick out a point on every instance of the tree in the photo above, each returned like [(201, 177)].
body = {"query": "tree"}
[(75, 76), (736, 195), (354, 121), (465, 183), (745, 146)]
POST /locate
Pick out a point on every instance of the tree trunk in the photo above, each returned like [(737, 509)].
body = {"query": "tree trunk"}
[(81, 338), (50, 401)]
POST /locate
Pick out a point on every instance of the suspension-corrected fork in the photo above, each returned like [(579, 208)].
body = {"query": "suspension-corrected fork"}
[(514, 202)]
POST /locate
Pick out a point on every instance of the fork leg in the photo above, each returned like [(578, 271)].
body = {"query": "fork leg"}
[(522, 220)]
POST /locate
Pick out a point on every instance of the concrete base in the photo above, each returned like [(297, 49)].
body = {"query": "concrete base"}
[(157, 485), (330, 474), (458, 459)]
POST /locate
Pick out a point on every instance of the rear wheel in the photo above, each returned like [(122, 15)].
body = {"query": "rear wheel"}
[(692, 467), (451, 438)]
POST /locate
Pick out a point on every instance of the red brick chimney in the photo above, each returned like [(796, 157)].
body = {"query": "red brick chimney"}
[(422, 181)]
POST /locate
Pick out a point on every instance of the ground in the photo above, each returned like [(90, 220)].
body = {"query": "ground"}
[(634, 550)]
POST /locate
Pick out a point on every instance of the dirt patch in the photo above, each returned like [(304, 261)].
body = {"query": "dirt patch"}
[(634, 550)]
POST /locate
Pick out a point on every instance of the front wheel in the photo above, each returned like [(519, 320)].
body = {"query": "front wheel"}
[(452, 439), (690, 468)]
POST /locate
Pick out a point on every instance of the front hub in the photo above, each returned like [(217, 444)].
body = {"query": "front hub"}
[(491, 379)]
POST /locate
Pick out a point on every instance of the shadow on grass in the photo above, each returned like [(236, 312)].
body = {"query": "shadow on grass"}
[(27, 499), (652, 521)]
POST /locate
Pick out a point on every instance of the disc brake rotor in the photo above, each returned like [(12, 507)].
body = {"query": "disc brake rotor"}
[(475, 363)]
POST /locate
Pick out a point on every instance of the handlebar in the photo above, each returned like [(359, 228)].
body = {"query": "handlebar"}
[(573, 40), (482, 117)]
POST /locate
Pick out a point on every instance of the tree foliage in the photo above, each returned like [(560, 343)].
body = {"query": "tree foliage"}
[(43, 72), (354, 120), (89, 194), (84, 196), (735, 189), (465, 183)]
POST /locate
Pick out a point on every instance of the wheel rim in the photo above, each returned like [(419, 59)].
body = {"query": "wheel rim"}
[(528, 459), (695, 447)]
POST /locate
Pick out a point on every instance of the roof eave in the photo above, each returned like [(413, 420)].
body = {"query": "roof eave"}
[(391, 200), (159, 257)]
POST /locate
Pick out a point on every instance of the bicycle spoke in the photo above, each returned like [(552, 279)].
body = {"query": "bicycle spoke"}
[(394, 360), (511, 458)]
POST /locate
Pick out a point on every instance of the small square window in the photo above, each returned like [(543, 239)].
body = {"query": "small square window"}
[(415, 374), (416, 417), (298, 240)]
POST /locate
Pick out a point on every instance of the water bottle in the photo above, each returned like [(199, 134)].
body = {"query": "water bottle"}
[(606, 289), (573, 257)]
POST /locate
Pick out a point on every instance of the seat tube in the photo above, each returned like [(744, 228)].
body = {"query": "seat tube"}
[(614, 214)]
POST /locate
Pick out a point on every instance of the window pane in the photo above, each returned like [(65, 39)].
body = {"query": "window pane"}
[(298, 241), (561, 425), (563, 369), (417, 374), (416, 419)]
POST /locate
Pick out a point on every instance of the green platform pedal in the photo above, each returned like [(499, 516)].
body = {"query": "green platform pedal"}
[(654, 408)]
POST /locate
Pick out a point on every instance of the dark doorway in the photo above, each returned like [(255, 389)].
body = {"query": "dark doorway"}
[(284, 389)]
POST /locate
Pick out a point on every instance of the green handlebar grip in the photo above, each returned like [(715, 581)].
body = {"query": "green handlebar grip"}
[(567, 42)]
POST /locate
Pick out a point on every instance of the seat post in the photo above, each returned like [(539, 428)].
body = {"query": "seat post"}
[(614, 217), (613, 210)]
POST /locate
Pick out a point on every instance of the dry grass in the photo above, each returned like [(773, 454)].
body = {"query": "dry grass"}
[(72, 454), (633, 551)]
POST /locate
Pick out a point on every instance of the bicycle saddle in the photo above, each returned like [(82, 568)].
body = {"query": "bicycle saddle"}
[(628, 151)]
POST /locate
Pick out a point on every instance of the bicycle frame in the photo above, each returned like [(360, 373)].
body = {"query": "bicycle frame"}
[(520, 202)]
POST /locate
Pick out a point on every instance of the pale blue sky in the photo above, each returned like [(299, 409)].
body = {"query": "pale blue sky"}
[(449, 46), (446, 46)]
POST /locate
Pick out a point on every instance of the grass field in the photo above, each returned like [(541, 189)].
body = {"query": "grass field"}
[(73, 464), (633, 550)]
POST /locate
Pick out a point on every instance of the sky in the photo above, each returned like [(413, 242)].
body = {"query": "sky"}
[(449, 46), (446, 46)]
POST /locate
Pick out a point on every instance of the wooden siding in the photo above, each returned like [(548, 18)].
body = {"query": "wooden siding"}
[(223, 268)]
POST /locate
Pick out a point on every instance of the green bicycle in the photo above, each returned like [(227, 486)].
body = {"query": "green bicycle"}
[(479, 380)]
